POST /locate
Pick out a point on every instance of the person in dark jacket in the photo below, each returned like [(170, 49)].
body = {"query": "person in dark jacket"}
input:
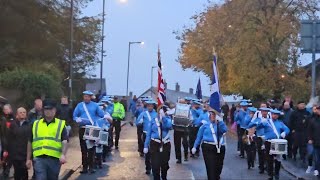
[(314, 139), (64, 112), (36, 112), (225, 110), (298, 124), (233, 109), (287, 111), (17, 138), (124, 102), (6, 121)]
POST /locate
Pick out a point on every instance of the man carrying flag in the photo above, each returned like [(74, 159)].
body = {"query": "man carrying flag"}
[(158, 136), (213, 144)]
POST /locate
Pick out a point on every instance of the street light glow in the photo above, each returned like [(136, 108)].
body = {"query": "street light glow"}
[(142, 43)]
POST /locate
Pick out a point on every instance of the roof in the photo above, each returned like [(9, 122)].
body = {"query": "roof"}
[(172, 95)]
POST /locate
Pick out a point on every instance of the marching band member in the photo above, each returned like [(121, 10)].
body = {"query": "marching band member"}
[(144, 121), (140, 108), (104, 124), (240, 118), (86, 113), (177, 136), (196, 111), (158, 140), (258, 113), (213, 145), (260, 133), (274, 129), (248, 139)]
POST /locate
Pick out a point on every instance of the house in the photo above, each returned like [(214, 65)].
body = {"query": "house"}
[(172, 95)]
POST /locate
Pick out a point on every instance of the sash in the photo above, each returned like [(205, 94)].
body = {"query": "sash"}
[(274, 128), (148, 114), (160, 133), (87, 113), (215, 138)]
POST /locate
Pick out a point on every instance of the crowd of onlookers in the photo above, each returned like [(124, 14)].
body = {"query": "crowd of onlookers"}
[(304, 124)]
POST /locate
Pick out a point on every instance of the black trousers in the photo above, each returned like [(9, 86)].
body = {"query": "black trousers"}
[(20, 170), (178, 135), (160, 160), (140, 138), (110, 142), (213, 160), (239, 137), (193, 131), (261, 153), (273, 164), (299, 143), (289, 139), (87, 154), (117, 127), (147, 158), (251, 153), (241, 144)]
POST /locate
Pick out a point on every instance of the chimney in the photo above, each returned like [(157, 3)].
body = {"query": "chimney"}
[(191, 91), (177, 87), (165, 84)]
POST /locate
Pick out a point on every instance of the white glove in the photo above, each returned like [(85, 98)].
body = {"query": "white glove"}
[(145, 150), (78, 120), (141, 121), (283, 135), (193, 150), (204, 122)]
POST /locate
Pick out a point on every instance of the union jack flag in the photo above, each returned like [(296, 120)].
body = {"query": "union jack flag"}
[(161, 89)]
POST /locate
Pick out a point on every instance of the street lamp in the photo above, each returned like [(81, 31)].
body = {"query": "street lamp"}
[(102, 46), (152, 78), (137, 42), (71, 52)]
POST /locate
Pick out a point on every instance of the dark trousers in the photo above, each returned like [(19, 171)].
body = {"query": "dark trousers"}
[(317, 157), (98, 159), (213, 160), (147, 158), (178, 135), (20, 170), (87, 154), (47, 168), (160, 160), (261, 153), (251, 154), (273, 164), (289, 139), (140, 138), (193, 131), (117, 127), (110, 140), (241, 144), (239, 137)]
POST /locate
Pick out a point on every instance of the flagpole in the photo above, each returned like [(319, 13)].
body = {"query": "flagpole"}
[(215, 55)]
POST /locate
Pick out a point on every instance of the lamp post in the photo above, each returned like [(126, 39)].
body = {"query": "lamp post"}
[(71, 52), (102, 45), (152, 79), (128, 67)]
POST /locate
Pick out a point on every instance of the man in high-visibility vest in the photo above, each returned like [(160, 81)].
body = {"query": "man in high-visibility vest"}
[(118, 115), (48, 144)]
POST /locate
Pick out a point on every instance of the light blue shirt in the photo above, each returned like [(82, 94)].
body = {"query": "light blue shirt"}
[(280, 127), (153, 133), (143, 119), (205, 133), (93, 109), (240, 116), (203, 117), (195, 115)]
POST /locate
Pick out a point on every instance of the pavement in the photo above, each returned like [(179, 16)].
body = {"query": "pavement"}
[(125, 163)]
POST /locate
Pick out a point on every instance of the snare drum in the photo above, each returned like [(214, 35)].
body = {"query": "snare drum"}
[(103, 137), (91, 133), (278, 146), (181, 119)]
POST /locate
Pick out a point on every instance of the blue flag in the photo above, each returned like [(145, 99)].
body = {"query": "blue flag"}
[(199, 91), (215, 88)]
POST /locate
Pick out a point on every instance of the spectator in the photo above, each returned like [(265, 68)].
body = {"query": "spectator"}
[(298, 123), (18, 135), (36, 112), (133, 107), (64, 112), (287, 111), (225, 110), (233, 109), (6, 121), (124, 102), (314, 138)]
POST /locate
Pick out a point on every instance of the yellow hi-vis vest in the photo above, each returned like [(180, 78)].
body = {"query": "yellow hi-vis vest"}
[(47, 138)]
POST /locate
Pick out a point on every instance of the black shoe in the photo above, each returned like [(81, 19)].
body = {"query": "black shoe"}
[(84, 171), (104, 160), (261, 172), (131, 123), (197, 154), (100, 166), (192, 155), (141, 154), (276, 177), (186, 158), (91, 171), (148, 172), (117, 147), (270, 178), (242, 156), (179, 161)]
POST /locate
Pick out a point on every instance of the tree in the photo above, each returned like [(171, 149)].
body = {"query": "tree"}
[(257, 44)]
